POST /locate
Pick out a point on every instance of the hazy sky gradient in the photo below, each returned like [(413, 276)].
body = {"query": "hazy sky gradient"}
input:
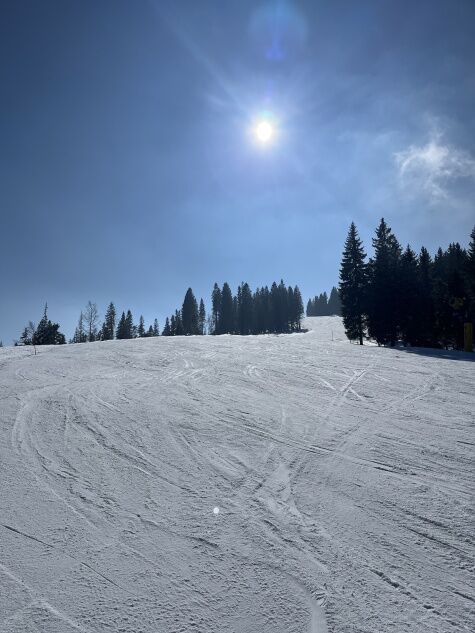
[(127, 172)]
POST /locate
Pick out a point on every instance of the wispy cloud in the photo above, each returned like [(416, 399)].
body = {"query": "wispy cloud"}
[(434, 168)]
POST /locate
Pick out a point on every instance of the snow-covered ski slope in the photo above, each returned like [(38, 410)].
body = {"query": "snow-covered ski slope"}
[(342, 475)]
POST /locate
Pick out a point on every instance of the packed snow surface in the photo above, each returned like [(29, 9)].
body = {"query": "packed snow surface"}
[(262, 484)]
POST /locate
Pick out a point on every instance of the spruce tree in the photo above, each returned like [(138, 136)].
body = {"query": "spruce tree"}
[(189, 314), (226, 311), (47, 333), (245, 309), (129, 330), (353, 286), (216, 308), (384, 289), (334, 303), (120, 332), (409, 308), (166, 328), (201, 317), (141, 327), (108, 327), (178, 329), (156, 330), (470, 278)]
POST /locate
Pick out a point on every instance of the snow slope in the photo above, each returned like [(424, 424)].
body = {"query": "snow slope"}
[(342, 476)]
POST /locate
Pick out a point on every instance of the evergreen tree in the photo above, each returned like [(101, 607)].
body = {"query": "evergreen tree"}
[(149, 332), (309, 311), (470, 278), (178, 323), (47, 333), (334, 303), (166, 328), (226, 311), (296, 310), (28, 333), (353, 286), (129, 331), (201, 318), (425, 306), (108, 327), (141, 327), (384, 287), (245, 309), (189, 314), (409, 324), (120, 333), (216, 308), (156, 331)]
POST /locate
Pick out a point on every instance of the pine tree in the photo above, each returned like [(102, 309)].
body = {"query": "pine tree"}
[(201, 318), (141, 327), (216, 308), (47, 333), (120, 332), (226, 311), (189, 314), (334, 303), (409, 308), (166, 328), (108, 327), (156, 330), (384, 287), (470, 278), (296, 310), (178, 329), (149, 332), (353, 286), (309, 310), (129, 331), (245, 309)]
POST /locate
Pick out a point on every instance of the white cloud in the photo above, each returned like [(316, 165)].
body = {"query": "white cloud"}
[(433, 168)]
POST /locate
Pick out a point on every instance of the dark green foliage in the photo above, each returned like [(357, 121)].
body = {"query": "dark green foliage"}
[(189, 314), (383, 296), (321, 305), (216, 308), (167, 329), (201, 318), (244, 309), (156, 330), (334, 302), (108, 327), (141, 328), (226, 311), (408, 298), (129, 329), (47, 333), (353, 286)]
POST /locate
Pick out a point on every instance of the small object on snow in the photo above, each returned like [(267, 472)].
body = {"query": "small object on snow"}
[(216, 510)]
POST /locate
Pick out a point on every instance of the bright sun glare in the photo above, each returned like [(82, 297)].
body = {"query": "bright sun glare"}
[(264, 132)]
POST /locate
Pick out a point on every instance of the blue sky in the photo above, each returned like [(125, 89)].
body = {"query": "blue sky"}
[(128, 172)]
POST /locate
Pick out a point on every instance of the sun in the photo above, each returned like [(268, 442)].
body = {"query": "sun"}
[(264, 132)]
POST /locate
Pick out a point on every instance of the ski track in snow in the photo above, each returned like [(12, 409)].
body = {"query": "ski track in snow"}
[(343, 477)]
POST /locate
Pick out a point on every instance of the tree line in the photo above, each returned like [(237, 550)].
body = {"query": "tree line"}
[(400, 296), (324, 305), (275, 310)]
